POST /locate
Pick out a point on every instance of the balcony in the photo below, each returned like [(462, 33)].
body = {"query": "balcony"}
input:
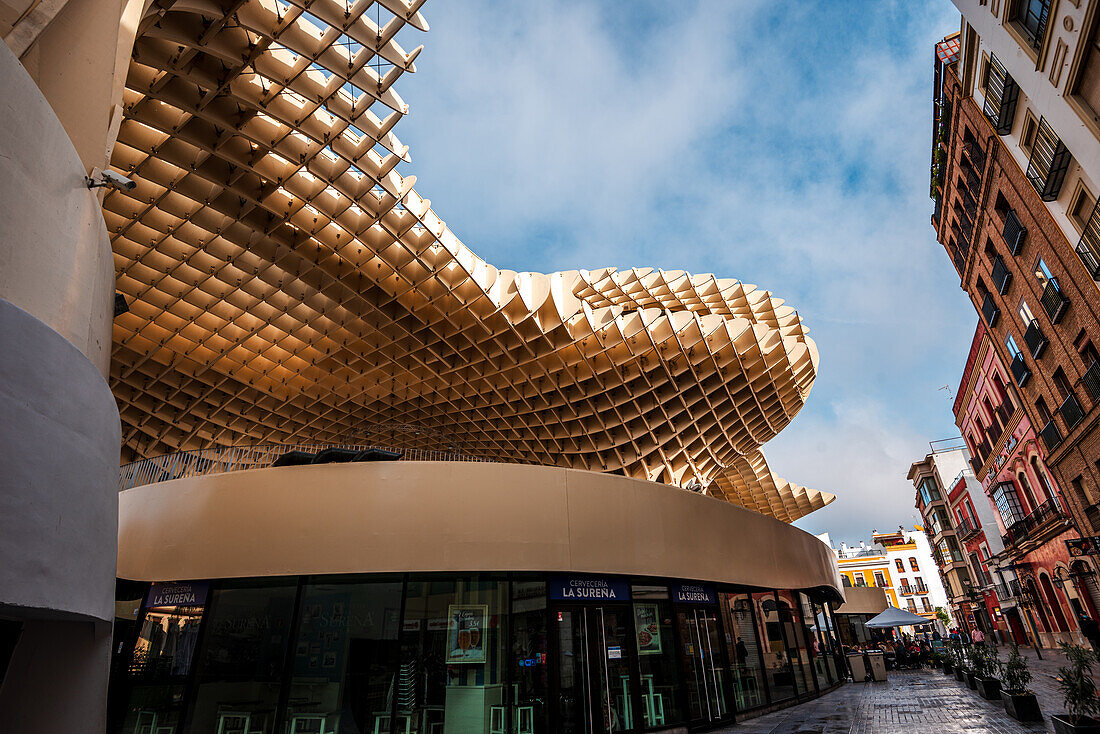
[(1020, 371), (1000, 97), (1002, 276), (1091, 380), (970, 206), (1088, 247), (983, 450), (990, 311), (1054, 301), (1049, 160), (1051, 435), (905, 591), (1035, 340), (1014, 233), (1045, 515), (1071, 412), (967, 530), (920, 589), (974, 151), (973, 179)]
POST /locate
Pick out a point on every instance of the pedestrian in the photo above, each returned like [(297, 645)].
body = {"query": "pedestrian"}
[(936, 636), (978, 637)]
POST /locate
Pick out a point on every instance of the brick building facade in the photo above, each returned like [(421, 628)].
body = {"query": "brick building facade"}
[(1034, 292)]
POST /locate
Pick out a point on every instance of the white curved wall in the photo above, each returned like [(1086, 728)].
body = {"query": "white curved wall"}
[(55, 256), (59, 426), (453, 516)]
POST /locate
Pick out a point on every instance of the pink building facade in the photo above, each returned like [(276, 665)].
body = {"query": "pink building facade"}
[(1039, 591)]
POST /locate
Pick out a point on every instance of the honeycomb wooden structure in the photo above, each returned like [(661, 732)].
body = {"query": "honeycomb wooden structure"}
[(287, 285)]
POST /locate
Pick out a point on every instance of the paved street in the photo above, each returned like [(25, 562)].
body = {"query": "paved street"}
[(922, 701)]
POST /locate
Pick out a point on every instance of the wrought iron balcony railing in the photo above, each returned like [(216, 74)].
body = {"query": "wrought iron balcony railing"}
[(1071, 412), (974, 151), (1014, 233), (990, 310), (1000, 97), (967, 530), (1002, 276), (1044, 515), (1035, 339), (1091, 380), (1051, 435), (1020, 371), (970, 206), (1049, 161), (1054, 301), (1088, 247)]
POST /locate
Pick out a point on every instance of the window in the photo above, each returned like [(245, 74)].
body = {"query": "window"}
[(1024, 310), (1030, 18), (918, 582), (1008, 504), (777, 664), (1081, 206), (880, 580), (900, 564), (1042, 477), (1027, 135), (913, 563), (925, 604), (929, 492), (983, 75), (1043, 274), (744, 650), (912, 604), (846, 581)]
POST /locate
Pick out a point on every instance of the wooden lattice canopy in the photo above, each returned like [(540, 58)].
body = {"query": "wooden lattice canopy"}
[(286, 284)]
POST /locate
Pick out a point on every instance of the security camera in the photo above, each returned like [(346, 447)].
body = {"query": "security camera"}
[(112, 179)]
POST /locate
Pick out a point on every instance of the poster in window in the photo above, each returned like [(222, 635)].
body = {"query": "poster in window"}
[(466, 627), (648, 628)]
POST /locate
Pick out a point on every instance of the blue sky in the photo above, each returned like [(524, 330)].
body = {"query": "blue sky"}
[(782, 144)]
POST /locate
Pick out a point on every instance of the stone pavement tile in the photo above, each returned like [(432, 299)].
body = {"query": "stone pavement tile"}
[(908, 703)]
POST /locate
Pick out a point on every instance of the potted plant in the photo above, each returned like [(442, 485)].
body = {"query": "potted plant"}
[(1020, 702), (987, 665), (958, 663), (946, 663), (1078, 691), (968, 674)]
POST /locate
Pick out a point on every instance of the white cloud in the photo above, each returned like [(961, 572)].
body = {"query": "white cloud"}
[(785, 145)]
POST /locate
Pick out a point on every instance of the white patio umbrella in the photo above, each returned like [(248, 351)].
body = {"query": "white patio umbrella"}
[(894, 617)]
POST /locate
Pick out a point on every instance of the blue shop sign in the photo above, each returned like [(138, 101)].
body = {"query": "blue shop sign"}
[(693, 594), (177, 594), (589, 588)]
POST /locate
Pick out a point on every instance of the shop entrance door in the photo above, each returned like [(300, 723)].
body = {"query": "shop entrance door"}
[(704, 666), (596, 681)]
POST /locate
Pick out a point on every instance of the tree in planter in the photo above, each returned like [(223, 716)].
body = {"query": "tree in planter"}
[(984, 661), (1076, 685), (943, 616), (1015, 676)]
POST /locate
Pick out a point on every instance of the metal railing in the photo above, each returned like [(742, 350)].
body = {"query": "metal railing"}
[(1071, 412), (1091, 380), (1002, 276), (990, 310), (1014, 233), (221, 459), (1022, 529), (1020, 371), (1051, 435), (967, 530), (1035, 339), (1054, 301)]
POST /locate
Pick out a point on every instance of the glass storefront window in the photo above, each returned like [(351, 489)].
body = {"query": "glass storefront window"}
[(158, 667), (777, 666), (530, 674), (451, 673), (795, 637), (243, 657), (825, 646), (656, 644), (345, 654), (743, 651)]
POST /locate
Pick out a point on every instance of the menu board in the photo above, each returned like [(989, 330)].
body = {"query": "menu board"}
[(647, 625), (466, 627)]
